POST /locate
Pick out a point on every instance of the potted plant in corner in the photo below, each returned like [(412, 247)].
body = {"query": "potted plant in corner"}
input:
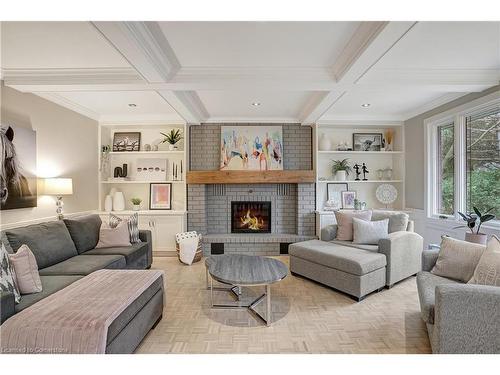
[(471, 219), (136, 202), (172, 138), (341, 169)]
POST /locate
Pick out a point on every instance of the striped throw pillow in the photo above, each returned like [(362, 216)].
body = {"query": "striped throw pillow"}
[(133, 225)]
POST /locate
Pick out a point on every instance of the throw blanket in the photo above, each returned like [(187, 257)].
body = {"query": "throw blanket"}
[(76, 318)]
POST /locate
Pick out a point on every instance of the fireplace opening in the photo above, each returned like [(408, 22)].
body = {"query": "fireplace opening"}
[(250, 217)]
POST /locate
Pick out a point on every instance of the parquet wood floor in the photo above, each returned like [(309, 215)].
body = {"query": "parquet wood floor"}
[(308, 318)]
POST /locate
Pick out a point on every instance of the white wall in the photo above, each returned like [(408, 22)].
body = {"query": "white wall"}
[(66, 147)]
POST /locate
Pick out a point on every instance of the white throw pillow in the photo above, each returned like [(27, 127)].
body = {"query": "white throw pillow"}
[(369, 232), (487, 271), (457, 259), (114, 237), (26, 271), (7, 283)]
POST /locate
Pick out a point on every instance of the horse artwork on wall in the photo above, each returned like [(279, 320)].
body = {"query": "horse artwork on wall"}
[(17, 167)]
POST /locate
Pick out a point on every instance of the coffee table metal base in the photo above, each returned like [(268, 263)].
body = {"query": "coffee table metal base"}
[(236, 291)]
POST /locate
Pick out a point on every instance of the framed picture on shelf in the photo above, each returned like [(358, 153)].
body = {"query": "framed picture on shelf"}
[(126, 141), (334, 192), (160, 196), (366, 141), (348, 198)]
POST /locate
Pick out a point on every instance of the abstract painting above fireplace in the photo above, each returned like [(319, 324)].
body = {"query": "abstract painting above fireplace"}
[(250, 217)]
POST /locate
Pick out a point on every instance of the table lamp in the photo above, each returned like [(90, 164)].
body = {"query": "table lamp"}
[(58, 187)]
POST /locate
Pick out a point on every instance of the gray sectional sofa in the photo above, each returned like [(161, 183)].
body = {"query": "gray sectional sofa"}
[(65, 252), (460, 318), (355, 269)]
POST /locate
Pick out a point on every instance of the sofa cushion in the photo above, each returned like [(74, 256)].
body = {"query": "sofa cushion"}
[(85, 264), (398, 221), (369, 232), (84, 231), (50, 242), (356, 245), (132, 254), (487, 271), (27, 278), (344, 222), (50, 285), (348, 259), (426, 285), (457, 259)]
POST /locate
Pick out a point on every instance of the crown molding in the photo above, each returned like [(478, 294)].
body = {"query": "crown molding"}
[(444, 99), (428, 77), (68, 104), (61, 76), (144, 46)]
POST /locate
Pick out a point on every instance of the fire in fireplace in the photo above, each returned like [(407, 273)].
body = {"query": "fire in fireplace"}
[(250, 217)]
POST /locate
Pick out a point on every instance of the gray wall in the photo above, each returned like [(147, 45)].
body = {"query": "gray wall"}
[(205, 146), (414, 143), (66, 147)]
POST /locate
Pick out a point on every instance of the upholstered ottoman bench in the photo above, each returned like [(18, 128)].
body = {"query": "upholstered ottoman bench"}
[(351, 270)]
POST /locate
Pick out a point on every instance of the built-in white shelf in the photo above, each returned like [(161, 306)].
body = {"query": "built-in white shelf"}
[(362, 182), (362, 152), (131, 153), (145, 212), (142, 182)]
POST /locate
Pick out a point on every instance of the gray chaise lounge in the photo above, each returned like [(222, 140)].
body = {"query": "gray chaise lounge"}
[(358, 269), (460, 318), (65, 252)]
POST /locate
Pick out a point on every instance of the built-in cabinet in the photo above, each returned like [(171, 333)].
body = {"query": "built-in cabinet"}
[(385, 167), (163, 224)]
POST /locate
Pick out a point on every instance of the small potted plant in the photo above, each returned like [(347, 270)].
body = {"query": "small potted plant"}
[(172, 138), (136, 202), (341, 169), (471, 220)]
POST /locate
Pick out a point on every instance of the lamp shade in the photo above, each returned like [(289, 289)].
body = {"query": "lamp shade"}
[(58, 186)]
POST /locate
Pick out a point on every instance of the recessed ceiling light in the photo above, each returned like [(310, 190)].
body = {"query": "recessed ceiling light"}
[(132, 105), (256, 104), (365, 105)]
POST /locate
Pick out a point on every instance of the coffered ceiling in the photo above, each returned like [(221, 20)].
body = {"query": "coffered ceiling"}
[(199, 72)]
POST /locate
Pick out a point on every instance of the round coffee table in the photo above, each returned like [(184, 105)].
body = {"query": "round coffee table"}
[(245, 270)]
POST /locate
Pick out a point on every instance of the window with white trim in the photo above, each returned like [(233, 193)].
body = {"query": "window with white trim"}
[(483, 161), (464, 161)]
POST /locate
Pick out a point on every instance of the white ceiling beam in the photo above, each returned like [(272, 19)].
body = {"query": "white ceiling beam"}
[(370, 42), (144, 46), (60, 80), (187, 104)]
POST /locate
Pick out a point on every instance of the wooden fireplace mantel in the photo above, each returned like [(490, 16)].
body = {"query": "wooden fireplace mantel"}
[(250, 177)]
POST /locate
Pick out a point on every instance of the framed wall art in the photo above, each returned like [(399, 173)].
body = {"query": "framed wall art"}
[(126, 141), (367, 141), (348, 198), (160, 196)]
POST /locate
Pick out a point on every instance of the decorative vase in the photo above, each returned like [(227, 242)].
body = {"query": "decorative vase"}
[(136, 207), (324, 143), (108, 203), (341, 175), (171, 147), (479, 238), (112, 192), (388, 174), (118, 201)]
